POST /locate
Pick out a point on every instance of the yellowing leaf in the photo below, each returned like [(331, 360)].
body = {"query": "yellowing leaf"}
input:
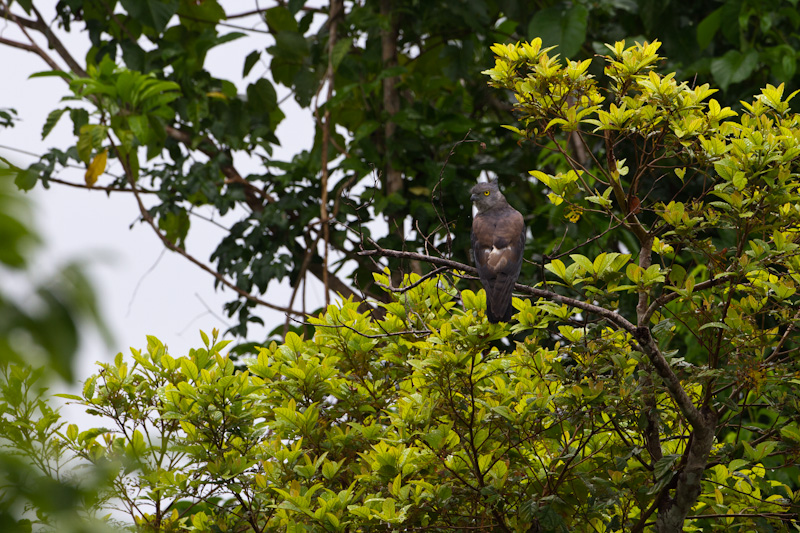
[(574, 213), (96, 167)]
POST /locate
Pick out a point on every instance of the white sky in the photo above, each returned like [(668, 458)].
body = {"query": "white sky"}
[(142, 288)]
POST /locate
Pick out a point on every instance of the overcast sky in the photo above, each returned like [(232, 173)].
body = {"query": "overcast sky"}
[(143, 289)]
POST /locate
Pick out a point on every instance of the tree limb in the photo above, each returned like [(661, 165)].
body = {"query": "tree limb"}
[(611, 316)]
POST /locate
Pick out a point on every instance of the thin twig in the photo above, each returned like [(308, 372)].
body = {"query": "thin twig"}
[(439, 214), (430, 274), (420, 332)]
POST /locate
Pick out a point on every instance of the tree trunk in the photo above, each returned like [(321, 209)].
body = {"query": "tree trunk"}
[(393, 179), (672, 515)]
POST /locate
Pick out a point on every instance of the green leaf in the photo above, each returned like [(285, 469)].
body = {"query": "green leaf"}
[(153, 13), (261, 96), (715, 325), (26, 179), (139, 127), (677, 274), (791, 432), (79, 117), (251, 59), (90, 138), (189, 369), (88, 388), (662, 470), (708, 28), (557, 26), (50, 73), (69, 397), (340, 50), (175, 225), (584, 262), (734, 67), (280, 19), (289, 45), (27, 5), (197, 16), (228, 37), (557, 267)]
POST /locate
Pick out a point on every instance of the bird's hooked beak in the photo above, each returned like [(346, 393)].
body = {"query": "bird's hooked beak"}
[(473, 198)]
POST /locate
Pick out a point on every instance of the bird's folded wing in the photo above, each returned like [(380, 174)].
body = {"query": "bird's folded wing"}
[(498, 240)]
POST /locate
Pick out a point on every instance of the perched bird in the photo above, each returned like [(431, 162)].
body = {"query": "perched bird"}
[(498, 241)]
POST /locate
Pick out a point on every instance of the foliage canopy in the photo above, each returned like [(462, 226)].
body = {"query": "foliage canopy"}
[(648, 389), (650, 381)]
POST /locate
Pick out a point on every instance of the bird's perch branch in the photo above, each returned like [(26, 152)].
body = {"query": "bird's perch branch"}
[(612, 317)]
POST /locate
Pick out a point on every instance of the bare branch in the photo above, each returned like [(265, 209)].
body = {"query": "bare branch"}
[(97, 187), (23, 24), (21, 46)]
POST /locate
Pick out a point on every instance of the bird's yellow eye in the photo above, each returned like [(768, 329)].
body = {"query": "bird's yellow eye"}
[(486, 193)]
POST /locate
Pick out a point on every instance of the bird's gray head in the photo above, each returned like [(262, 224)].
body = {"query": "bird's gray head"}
[(486, 196)]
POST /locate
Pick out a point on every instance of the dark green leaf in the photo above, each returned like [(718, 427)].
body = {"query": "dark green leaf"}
[(79, 117), (26, 179), (13, 235), (295, 5), (561, 26), (52, 120), (305, 86), (251, 59), (261, 96), (91, 137), (280, 19), (49, 73), (664, 465), (290, 45), (139, 127), (707, 29), (228, 37), (153, 13), (340, 50), (734, 67), (200, 15), (27, 5)]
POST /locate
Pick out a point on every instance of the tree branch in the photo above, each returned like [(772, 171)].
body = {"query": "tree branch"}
[(32, 47), (55, 43), (664, 299), (148, 218), (207, 147), (611, 316)]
